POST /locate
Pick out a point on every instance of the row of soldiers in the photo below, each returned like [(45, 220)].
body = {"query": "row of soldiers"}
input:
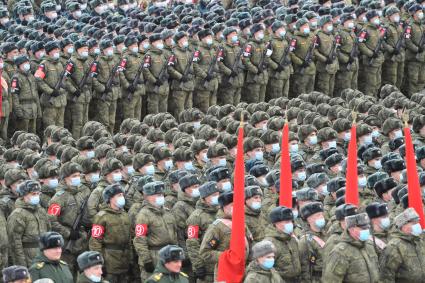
[(65, 67), (159, 183)]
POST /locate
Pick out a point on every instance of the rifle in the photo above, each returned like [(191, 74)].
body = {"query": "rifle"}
[(382, 32), (189, 63), (120, 66), (86, 76), (353, 54), (76, 225), (218, 53), (67, 70), (235, 64), (263, 57), (135, 81), (400, 42), (334, 50), (283, 61), (162, 72), (421, 42), (309, 55)]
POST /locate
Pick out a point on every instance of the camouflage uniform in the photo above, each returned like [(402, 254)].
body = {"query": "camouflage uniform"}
[(256, 274), (311, 249)]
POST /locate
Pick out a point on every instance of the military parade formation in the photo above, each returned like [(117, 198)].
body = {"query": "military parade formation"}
[(119, 130)]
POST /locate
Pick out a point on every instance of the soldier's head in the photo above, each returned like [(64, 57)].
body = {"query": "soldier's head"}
[(107, 47), (172, 256), (82, 48), (144, 164), (23, 63), (326, 24), (16, 274), (394, 168), (153, 193), (282, 218), (416, 11), (225, 200), (378, 214), (393, 14), (13, 178), (163, 158), (51, 244), (343, 211), (264, 254), (348, 21), (372, 17), (10, 50), (358, 226), (253, 148), (113, 195), (257, 31), (231, 35), (221, 175), (303, 26), (313, 214), (408, 222), (260, 172), (209, 193), (112, 170), (253, 197), (189, 185), (298, 169), (278, 28), (30, 192), (70, 174), (156, 41), (132, 44), (53, 50), (217, 154), (90, 263), (206, 36)]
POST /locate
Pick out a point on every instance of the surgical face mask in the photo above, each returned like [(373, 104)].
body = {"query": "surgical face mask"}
[(77, 14), (312, 140), (55, 55), (282, 34), (117, 177), (301, 176), (347, 136), (234, 38), (377, 165), (188, 166), (34, 175), (70, 50), (94, 178), (4, 21), (362, 182), (205, 157), (416, 230), (96, 51), (364, 235), (350, 25), (130, 170), (109, 52), (375, 133), (209, 41), (159, 201), (275, 148), (376, 21), (53, 15), (150, 170), (134, 49), (53, 183), (185, 44), (268, 263), (420, 16), (288, 228), (222, 162), (293, 148), (324, 191), (368, 139), (94, 278), (332, 144), (227, 186), (320, 223), (34, 200), (260, 36), (329, 28), (84, 54), (160, 46), (313, 24), (385, 223), (90, 154), (214, 200), (197, 124), (146, 45), (168, 165), (26, 67), (306, 30), (121, 202), (396, 19), (259, 155), (75, 182), (30, 19), (398, 134), (256, 205), (195, 193)]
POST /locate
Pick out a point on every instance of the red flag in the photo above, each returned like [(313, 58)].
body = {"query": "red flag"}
[(285, 196), (231, 264), (1, 93), (352, 189), (413, 187)]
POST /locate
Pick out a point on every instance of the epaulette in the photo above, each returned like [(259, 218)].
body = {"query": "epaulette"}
[(62, 262), (101, 213), (184, 274), (39, 265), (157, 276)]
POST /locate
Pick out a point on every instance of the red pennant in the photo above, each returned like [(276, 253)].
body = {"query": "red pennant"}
[(352, 189), (231, 264), (413, 186), (285, 196), (1, 95)]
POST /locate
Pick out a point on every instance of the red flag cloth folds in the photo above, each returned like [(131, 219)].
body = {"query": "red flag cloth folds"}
[(413, 187), (231, 263), (285, 195), (3, 84), (352, 189)]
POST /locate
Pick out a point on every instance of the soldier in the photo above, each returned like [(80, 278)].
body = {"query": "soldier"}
[(378, 214), (370, 45), (26, 223), (205, 70), (312, 242), (111, 234), (49, 181), (372, 159), (402, 260), (261, 267), (353, 259), (393, 66), (230, 69), (111, 174), (26, 105), (48, 263), (15, 274), (415, 55), (169, 266), (256, 56), (253, 218), (155, 67), (346, 77), (181, 74), (106, 84), (171, 192), (307, 134), (4, 240), (155, 228), (132, 81), (163, 161), (65, 207), (90, 264), (91, 170), (9, 195), (200, 150), (48, 77), (280, 233)]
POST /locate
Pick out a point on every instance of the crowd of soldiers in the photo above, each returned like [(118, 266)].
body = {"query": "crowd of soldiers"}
[(99, 182)]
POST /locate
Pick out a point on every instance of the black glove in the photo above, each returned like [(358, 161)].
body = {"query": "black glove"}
[(149, 267), (375, 55), (158, 82), (234, 74), (329, 61), (55, 93), (186, 262), (201, 273), (131, 88), (396, 52), (74, 235), (208, 77), (279, 69), (77, 93), (184, 79)]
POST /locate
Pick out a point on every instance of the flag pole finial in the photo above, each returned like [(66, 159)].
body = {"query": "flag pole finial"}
[(405, 117), (354, 116), (241, 124), (286, 114)]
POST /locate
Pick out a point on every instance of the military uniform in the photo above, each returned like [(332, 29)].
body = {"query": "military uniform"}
[(255, 222), (24, 226), (256, 274), (58, 271), (311, 249), (162, 275), (95, 203), (4, 242), (181, 210)]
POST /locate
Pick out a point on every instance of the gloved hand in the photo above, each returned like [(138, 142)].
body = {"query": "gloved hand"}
[(75, 235), (131, 88), (77, 93), (55, 93), (208, 77), (158, 82), (149, 267), (201, 272)]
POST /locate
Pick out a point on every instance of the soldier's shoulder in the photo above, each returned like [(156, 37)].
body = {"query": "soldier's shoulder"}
[(38, 265), (156, 277), (62, 262), (184, 275)]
